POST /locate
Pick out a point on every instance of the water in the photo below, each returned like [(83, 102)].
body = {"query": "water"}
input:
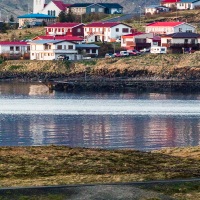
[(30, 116)]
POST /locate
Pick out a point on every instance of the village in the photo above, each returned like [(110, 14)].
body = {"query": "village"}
[(77, 41)]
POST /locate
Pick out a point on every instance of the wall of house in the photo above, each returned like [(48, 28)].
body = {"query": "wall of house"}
[(6, 49), (114, 34), (78, 30), (159, 30), (184, 28), (177, 40), (95, 8)]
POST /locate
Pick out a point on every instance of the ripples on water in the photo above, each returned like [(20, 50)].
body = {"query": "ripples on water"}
[(30, 115)]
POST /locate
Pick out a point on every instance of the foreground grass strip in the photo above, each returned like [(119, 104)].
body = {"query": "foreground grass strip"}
[(52, 165)]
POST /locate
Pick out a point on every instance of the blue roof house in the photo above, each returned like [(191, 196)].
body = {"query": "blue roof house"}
[(35, 19)]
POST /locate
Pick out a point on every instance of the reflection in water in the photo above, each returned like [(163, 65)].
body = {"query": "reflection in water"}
[(138, 132), (31, 115)]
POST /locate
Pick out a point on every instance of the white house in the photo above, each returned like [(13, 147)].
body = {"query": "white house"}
[(187, 4), (51, 49), (53, 8), (181, 38), (14, 49), (153, 9), (105, 31), (169, 3), (169, 27)]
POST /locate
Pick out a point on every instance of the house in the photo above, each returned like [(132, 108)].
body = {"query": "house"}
[(53, 8), (181, 40), (154, 41), (112, 8), (65, 28), (90, 50), (51, 49), (155, 9), (74, 39), (160, 28), (187, 4), (35, 19), (87, 8), (169, 3), (136, 40), (14, 50), (105, 31)]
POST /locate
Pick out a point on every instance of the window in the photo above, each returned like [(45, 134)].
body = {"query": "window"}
[(92, 9), (17, 48), (189, 30), (70, 46), (11, 48), (87, 50), (100, 9), (64, 46), (169, 41), (180, 29), (59, 47), (125, 30), (117, 29), (78, 30), (28, 48), (186, 41), (93, 50), (33, 54), (192, 41)]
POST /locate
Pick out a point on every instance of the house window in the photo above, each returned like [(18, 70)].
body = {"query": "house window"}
[(33, 54), (64, 46), (93, 50), (169, 41), (189, 30), (11, 48), (186, 41), (192, 41), (125, 30), (117, 29), (87, 50), (180, 29), (92, 9), (70, 46), (28, 48), (78, 30), (59, 47), (17, 48), (100, 9)]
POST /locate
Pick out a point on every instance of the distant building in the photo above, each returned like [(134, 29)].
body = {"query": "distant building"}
[(160, 28), (154, 9), (105, 31), (53, 8), (87, 8), (169, 3), (187, 4)]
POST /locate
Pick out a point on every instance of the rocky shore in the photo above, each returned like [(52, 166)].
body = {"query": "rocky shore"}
[(170, 72)]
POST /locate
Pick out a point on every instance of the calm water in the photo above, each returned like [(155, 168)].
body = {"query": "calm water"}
[(30, 115)]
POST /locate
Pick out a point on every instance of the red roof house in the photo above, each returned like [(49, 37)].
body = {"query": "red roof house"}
[(60, 37), (168, 27), (65, 28)]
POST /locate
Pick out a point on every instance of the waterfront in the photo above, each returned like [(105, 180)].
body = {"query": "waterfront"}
[(32, 116)]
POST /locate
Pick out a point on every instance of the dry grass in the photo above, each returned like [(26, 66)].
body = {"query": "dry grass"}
[(52, 165)]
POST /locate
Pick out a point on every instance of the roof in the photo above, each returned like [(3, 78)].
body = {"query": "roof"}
[(87, 46), (38, 16), (81, 4), (59, 37), (183, 35), (64, 25), (111, 5), (152, 6), (104, 24), (133, 34), (170, 1), (171, 24), (6, 43), (61, 5), (47, 41)]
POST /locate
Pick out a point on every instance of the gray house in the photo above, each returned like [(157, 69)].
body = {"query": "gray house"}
[(108, 8)]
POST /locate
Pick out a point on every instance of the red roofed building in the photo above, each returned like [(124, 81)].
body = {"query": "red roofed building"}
[(65, 28), (137, 40), (105, 31), (161, 28), (169, 3), (53, 8), (14, 50)]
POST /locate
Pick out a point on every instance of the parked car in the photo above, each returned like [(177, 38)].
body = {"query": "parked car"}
[(117, 54), (145, 50), (158, 49), (124, 53), (133, 52), (109, 55), (63, 57)]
